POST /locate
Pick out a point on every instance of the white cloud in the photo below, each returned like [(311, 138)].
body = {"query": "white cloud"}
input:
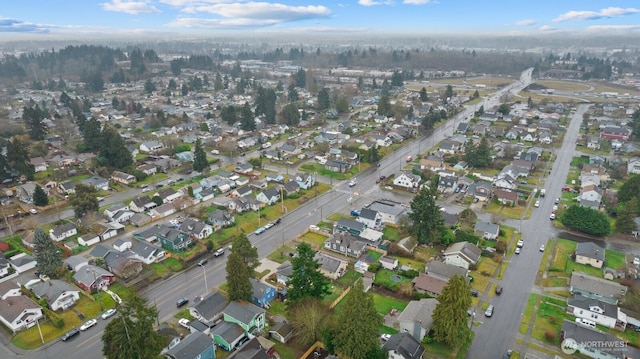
[(131, 7), (526, 22), (13, 25), (594, 15), (329, 29), (416, 2), (546, 28), (612, 27), (369, 2)]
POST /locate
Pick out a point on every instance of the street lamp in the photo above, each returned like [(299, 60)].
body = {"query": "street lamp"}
[(473, 318), (204, 274)]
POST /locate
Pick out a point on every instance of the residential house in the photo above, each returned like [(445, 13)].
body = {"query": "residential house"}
[(196, 228), (169, 237), (590, 253), (67, 187), (581, 339), (447, 184), (22, 262), (148, 253), (390, 211), (462, 254), (337, 166), (63, 231), (242, 192), (194, 346), (139, 219), (162, 210), (449, 147), (416, 319), (506, 182), (209, 308), (615, 133), (124, 178), (284, 272), (330, 266), (96, 182), (596, 288), (371, 219), (221, 218), (407, 180), (480, 191), (148, 169), (25, 192), (603, 313), (351, 226), (444, 270), (19, 312), (346, 243), (124, 265), (403, 346), (507, 198), (593, 142), (432, 162), (428, 284), (389, 263), (269, 196), (304, 180), (39, 164), (151, 146), (141, 204), (59, 294), (169, 195), (291, 187), (450, 219), (91, 277), (463, 127), (227, 335), (633, 166), (74, 263), (249, 316), (262, 294), (112, 210), (487, 230)]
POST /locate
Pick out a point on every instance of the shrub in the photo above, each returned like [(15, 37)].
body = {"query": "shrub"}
[(411, 273), (550, 335), (56, 321), (374, 267), (501, 247), (553, 320)]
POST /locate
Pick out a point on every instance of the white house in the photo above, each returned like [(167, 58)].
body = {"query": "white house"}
[(58, 293), (633, 166), (63, 231), (22, 262), (19, 312), (462, 254), (388, 262), (487, 230), (407, 180), (602, 313)]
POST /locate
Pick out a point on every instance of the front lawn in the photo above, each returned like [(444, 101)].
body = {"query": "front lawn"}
[(317, 240), (549, 319)]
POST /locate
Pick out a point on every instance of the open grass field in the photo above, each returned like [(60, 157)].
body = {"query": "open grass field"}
[(572, 86), (549, 318)]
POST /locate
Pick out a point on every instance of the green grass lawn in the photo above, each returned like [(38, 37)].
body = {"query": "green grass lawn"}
[(383, 278), (384, 304), (315, 239), (614, 259), (374, 254), (281, 254), (549, 319), (391, 233), (528, 313), (348, 278)]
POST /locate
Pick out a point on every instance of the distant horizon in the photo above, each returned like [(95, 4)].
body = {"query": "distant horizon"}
[(86, 19)]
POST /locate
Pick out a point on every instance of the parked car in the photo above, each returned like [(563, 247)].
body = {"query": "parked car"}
[(353, 182), (385, 337), (259, 231), (70, 334), (542, 248), (203, 262), (355, 213), (499, 290), (277, 221), (520, 243), (269, 225), (33, 211), (489, 311), (474, 292), (218, 252), (108, 313), (184, 322), (552, 216), (537, 204), (182, 302), (313, 227), (88, 324), (556, 201), (517, 250)]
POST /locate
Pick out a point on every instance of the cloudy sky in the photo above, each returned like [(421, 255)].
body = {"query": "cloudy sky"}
[(48, 17)]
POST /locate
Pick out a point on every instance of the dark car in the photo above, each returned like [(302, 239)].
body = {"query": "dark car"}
[(278, 220), (70, 334), (203, 262), (474, 292), (499, 290), (182, 302)]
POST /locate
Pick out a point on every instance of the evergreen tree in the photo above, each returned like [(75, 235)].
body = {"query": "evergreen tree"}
[(630, 189), (113, 151), (200, 161), (19, 158), (357, 335), (625, 221), (425, 214), (292, 95), (247, 120), (40, 197), (479, 156), (306, 281), (4, 168), (290, 114), (92, 136), (228, 115), (247, 251), (384, 106), (238, 277), (33, 118), (423, 95), (448, 93), (323, 99), (47, 254), (450, 318), (132, 333)]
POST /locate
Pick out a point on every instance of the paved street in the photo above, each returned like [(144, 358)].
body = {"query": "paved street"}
[(497, 334)]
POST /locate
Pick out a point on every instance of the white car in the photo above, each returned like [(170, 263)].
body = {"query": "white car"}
[(314, 227), (517, 250), (108, 313), (184, 322), (385, 337), (88, 324), (33, 211), (537, 204), (552, 216), (542, 248)]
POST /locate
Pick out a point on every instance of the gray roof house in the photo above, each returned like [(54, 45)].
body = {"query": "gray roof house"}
[(194, 346), (595, 287), (346, 243), (416, 319), (462, 254), (209, 308), (590, 253), (58, 293), (403, 346), (487, 230), (444, 270), (581, 334)]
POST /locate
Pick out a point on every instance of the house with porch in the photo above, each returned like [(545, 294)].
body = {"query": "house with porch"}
[(250, 317), (62, 232), (196, 228), (262, 293), (123, 178), (596, 288), (91, 277), (487, 230), (603, 313), (221, 218), (428, 284), (330, 266), (403, 346), (269, 196), (462, 254), (59, 294), (346, 243), (416, 319), (19, 312), (196, 345), (209, 309), (407, 180)]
